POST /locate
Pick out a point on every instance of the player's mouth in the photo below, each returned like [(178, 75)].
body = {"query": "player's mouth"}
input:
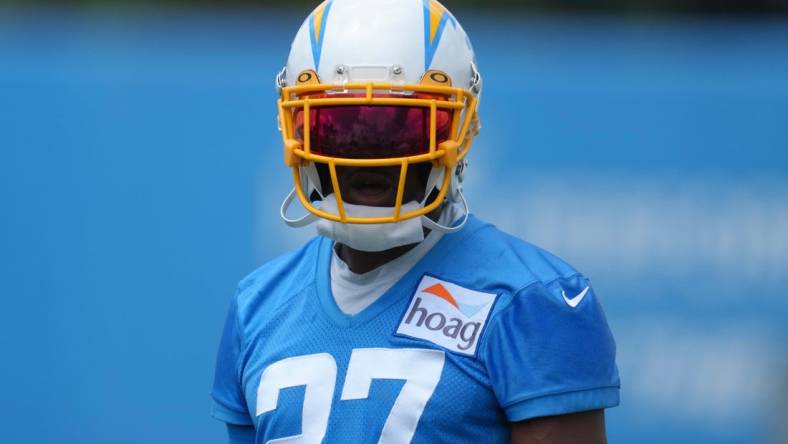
[(375, 187)]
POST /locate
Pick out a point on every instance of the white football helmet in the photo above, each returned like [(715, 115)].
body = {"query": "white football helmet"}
[(372, 83)]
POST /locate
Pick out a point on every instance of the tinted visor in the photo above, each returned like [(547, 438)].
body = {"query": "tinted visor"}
[(371, 132)]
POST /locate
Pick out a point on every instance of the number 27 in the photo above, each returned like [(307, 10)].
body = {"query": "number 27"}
[(420, 368)]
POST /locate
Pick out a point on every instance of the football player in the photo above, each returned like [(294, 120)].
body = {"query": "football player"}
[(407, 319)]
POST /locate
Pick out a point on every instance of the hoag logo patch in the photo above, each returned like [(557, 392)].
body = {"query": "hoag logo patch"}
[(447, 314)]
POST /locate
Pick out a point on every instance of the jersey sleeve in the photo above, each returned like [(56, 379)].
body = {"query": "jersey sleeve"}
[(229, 403), (545, 357), (240, 434)]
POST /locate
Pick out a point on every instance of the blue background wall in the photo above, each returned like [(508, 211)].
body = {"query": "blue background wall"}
[(140, 178)]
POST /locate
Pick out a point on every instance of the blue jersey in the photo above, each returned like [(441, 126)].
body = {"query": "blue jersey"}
[(486, 329)]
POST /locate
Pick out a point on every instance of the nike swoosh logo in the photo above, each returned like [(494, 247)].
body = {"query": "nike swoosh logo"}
[(577, 299)]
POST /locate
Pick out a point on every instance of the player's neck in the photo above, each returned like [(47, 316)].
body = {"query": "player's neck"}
[(361, 262)]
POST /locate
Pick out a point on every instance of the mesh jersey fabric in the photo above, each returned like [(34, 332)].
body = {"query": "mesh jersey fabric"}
[(536, 356)]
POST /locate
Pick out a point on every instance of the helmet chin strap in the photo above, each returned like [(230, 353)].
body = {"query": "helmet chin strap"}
[(310, 182), (436, 175), (432, 225), (295, 223)]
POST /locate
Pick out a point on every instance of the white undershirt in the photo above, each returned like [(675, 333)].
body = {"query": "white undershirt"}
[(354, 292)]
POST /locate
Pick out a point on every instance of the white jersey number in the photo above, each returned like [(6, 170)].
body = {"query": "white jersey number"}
[(420, 368), (319, 374)]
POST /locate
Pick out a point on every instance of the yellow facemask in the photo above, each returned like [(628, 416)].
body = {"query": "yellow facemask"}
[(435, 96)]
